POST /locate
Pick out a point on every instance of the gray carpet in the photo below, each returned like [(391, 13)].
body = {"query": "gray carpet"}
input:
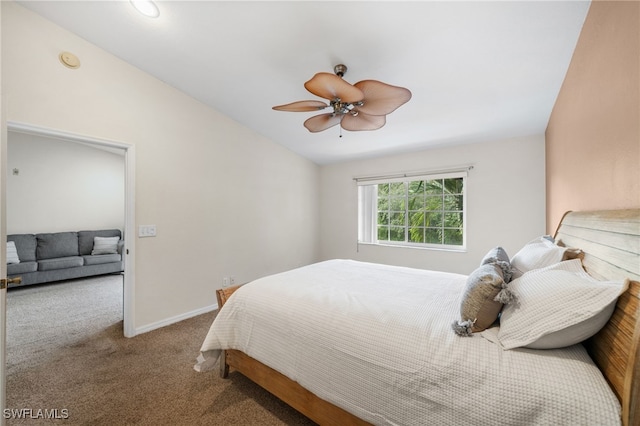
[(47, 318), (66, 351)]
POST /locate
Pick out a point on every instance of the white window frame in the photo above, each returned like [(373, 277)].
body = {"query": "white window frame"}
[(368, 209)]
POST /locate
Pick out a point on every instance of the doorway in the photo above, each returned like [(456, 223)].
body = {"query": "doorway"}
[(128, 151)]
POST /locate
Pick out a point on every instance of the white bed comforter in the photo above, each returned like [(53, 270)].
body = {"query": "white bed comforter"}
[(377, 341)]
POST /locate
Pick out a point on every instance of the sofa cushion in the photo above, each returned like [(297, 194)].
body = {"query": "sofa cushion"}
[(59, 244), (101, 258), (85, 239), (60, 263), (26, 245), (22, 268)]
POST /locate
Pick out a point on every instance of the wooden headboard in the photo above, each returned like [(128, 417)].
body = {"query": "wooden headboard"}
[(610, 240)]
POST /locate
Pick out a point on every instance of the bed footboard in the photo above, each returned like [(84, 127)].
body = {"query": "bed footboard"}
[(223, 295), (224, 366), (289, 391)]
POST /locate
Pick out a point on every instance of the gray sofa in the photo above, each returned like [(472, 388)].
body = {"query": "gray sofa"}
[(59, 256)]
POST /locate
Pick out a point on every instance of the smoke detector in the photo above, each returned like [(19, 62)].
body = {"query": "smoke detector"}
[(69, 60)]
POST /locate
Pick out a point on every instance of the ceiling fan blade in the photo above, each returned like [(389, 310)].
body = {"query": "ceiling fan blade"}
[(330, 86), (362, 121), (381, 98), (321, 122), (302, 106)]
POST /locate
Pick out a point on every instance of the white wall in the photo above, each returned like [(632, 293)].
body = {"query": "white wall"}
[(62, 186), (225, 200), (505, 202)]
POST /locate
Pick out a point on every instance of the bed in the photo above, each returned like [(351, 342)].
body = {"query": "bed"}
[(348, 342)]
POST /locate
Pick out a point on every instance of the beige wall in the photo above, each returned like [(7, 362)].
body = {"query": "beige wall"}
[(62, 186), (213, 188), (505, 202), (593, 135)]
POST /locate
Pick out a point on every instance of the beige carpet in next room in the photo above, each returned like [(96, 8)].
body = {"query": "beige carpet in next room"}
[(66, 351)]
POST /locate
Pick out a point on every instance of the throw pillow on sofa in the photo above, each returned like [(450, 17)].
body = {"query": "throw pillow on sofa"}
[(105, 245), (12, 253)]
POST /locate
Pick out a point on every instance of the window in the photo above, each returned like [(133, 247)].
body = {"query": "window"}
[(421, 211)]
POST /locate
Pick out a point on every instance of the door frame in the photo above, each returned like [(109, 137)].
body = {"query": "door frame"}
[(3, 259), (129, 206)]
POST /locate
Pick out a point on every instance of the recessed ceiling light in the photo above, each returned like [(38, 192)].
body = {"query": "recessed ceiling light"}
[(146, 7)]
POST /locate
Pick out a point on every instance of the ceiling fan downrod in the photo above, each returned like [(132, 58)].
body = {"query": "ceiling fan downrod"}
[(340, 70)]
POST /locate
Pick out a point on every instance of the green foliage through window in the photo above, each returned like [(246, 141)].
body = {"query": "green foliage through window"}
[(422, 211)]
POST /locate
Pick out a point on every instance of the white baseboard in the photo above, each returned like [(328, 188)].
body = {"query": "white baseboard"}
[(177, 318)]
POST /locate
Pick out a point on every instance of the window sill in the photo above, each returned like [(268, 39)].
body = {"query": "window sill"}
[(418, 247)]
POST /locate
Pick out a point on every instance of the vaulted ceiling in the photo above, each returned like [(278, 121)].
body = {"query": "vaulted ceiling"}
[(477, 70)]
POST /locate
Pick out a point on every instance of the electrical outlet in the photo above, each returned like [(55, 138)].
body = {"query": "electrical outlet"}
[(226, 281), (232, 280)]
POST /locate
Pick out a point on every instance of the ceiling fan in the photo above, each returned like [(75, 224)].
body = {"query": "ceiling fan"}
[(362, 106)]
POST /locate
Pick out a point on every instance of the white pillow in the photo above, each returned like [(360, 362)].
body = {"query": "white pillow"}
[(536, 254), (557, 306), (105, 245), (12, 253)]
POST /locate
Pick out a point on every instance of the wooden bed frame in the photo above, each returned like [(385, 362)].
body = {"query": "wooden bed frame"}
[(610, 240)]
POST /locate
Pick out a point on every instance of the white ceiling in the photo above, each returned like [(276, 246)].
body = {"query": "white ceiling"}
[(478, 70)]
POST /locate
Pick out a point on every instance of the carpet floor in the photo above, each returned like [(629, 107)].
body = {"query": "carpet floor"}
[(66, 354)]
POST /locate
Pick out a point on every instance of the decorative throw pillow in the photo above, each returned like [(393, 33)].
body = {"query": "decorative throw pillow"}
[(482, 300), (557, 306), (12, 253), (536, 254), (499, 256), (105, 245)]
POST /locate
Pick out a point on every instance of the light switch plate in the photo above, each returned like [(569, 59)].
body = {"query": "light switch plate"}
[(146, 231)]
